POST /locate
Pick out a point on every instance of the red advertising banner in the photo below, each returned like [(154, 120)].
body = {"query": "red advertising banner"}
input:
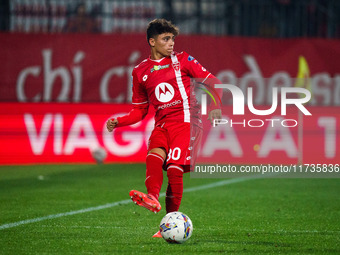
[(65, 133), (97, 68), (69, 133)]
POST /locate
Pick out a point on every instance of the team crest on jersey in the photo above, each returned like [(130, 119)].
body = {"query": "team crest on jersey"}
[(176, 66), (164, 92)]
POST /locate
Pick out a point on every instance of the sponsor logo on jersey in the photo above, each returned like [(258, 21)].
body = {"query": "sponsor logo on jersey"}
[(159, 67), (161, 107), (190, 58), (164, 92)]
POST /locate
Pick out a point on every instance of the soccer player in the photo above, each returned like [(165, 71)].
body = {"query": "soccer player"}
[(163, 80)]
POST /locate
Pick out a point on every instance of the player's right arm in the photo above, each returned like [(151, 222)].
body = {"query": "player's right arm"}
[(140, 107)]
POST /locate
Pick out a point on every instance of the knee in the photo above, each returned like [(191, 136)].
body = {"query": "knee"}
[(159, 151), (174, 171)]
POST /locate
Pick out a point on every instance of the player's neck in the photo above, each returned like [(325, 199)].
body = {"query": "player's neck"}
[(155, 55)]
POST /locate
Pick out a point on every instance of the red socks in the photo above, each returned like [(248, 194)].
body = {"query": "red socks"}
[(174, 191), (154, 174), (154, 181)]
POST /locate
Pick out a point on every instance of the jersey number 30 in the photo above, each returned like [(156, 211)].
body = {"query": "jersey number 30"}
[(174, 154)]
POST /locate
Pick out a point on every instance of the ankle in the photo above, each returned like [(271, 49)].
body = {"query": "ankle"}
[(154, 196)]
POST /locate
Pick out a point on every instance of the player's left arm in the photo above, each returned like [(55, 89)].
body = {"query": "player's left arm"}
[(214, 115), (196, 70), (215, 111)]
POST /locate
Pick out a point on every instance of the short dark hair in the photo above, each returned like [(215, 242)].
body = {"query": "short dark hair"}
[(160, 26)]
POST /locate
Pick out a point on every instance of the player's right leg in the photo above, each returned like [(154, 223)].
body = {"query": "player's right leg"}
[(154, 172), (174, 191), (145, 200)]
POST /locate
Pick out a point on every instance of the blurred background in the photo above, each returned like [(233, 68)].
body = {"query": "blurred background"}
[(66, 68), (264, 18)]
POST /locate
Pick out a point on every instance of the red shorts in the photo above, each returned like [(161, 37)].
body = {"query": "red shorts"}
[(175, 138)]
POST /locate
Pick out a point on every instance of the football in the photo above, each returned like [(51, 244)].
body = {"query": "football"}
[(176, 227)]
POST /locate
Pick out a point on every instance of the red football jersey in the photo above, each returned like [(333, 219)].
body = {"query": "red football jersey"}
[(165, 84)]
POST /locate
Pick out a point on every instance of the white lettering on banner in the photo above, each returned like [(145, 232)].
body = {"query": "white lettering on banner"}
[(329, 124), (277, 138), (222, 138), (278, 80), (81, 135), (50, 75), (58, 134), (119, 71), (324, 91), (78, 76), (49, 135), (34, 71), (337, 90), (323, 86), (104, 85), (253, 77), (133, 138), (38, 138), (135, 55)]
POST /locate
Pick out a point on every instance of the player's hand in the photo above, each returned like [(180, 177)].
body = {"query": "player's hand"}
[(215, 114), (111, 124)]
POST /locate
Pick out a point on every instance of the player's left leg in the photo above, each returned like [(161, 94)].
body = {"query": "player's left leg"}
[(174, 190), (154, 172)]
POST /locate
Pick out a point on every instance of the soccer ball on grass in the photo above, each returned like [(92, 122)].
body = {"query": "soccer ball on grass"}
[(176, 227)]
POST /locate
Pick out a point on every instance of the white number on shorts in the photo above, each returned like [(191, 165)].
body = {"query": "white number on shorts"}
[(174, 154)]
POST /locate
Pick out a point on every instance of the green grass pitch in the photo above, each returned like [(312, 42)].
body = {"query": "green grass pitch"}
[(256, 216)]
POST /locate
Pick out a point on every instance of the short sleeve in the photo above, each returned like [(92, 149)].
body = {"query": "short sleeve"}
[(194, 68)]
